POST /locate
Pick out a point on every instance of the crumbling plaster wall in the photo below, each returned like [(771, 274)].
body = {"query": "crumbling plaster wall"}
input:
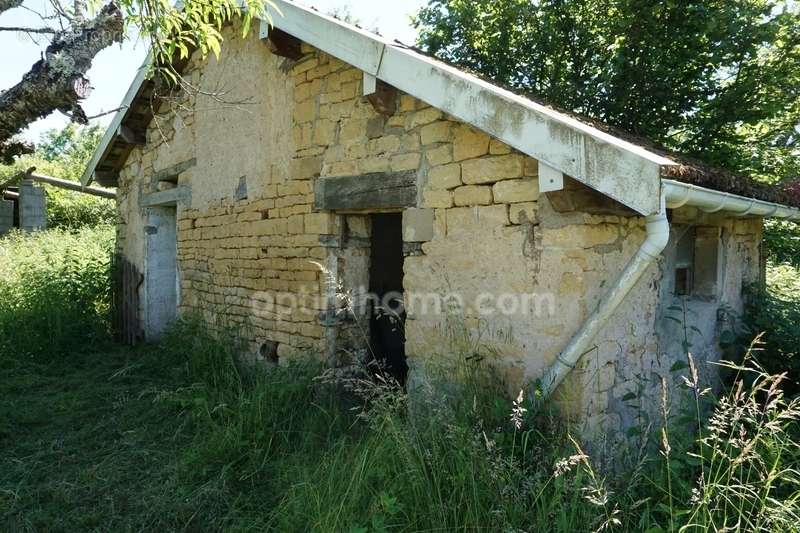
[(493, 232)]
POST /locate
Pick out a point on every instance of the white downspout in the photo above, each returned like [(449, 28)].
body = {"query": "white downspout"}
[(654, 243), (674, 194)]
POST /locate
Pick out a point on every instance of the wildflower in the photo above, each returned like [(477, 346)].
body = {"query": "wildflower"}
[(565, 465), (518, 411)]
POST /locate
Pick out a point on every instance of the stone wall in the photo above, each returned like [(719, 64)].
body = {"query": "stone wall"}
[(249, 237)]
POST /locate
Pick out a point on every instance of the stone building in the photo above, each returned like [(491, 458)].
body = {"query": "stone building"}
[(321, 160)]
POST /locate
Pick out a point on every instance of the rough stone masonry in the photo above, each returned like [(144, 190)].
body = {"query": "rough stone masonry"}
[(248, 231)]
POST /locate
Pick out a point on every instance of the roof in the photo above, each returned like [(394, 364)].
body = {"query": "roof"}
[(608, 161)]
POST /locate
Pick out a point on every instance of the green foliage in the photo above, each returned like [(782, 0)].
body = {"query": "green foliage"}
[(59, 153), (175, 30), (782, 240), (717, 79), (180, 436), (776, 312), (64, 154), (54, 288)]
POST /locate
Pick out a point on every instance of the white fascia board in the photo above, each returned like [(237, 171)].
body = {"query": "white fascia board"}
[(116, 122), (621, 170), (550, 179), (352, 45)]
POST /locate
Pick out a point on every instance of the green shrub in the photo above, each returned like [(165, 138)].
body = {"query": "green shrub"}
[(73, 210), (64, 154), (55, 291), (782, 241), (775, 312)]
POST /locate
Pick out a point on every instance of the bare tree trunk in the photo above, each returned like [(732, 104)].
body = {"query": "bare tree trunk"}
[(79, 8), (5, 5), (57, 81)]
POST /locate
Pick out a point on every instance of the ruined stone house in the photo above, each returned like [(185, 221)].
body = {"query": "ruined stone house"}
[(334, 162)]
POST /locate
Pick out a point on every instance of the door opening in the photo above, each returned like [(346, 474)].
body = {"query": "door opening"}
[(387, 316), (161, 270)]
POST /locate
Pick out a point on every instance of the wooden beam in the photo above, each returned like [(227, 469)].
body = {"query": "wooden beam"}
[(171, 173), (284, 45), (130, 136), (73, 186), (379, 190), (383, 98), (181, 194), (370, 84), (106, 178)]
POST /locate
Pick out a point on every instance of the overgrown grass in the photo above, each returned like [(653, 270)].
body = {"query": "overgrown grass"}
[(54, 291), (183, 436)]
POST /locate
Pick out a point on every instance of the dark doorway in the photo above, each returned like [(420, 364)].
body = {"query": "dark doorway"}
[(387, 319)]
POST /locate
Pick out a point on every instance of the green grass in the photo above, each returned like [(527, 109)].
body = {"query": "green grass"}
[(84, 448), (179, 437), (183, 436), (55, 291)]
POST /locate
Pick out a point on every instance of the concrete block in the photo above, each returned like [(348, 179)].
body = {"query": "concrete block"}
[(32, 207), (6, 216), (417, 225)]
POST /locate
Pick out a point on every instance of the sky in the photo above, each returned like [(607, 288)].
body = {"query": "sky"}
[(114, 68)]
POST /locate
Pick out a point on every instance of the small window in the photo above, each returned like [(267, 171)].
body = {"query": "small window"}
[(683, 281), (684, 263), (697, 262)]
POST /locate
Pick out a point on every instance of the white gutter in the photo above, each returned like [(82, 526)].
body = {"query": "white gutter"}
[(680, 194), (673, 195)]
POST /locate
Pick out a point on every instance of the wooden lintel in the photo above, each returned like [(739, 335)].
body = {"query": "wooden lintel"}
[(180, 195), (374, 191), (284, 45), (384, 99), (171, 173)]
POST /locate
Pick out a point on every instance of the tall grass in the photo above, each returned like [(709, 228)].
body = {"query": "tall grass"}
[(183, 436), (287, 434), (54, 290)]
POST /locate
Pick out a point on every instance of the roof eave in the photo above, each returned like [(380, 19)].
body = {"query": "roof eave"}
[(113, 130), (626, 172)]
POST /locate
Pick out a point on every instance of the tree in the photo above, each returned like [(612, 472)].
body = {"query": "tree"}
[(716, 79), (58, 80), (64, 154)]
